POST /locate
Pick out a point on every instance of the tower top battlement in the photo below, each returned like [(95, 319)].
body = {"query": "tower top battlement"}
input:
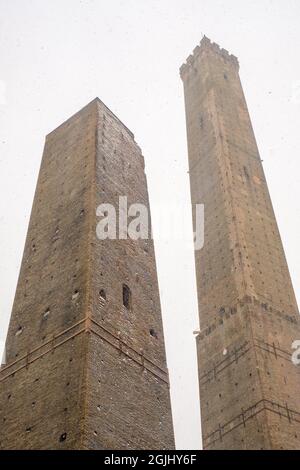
[(206, 45)]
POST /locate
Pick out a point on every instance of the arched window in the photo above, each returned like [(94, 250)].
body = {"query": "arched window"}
[(126, 297)]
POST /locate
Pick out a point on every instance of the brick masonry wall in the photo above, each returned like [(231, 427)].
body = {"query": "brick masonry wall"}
[(135, 403), (247, 307), (83, 371)]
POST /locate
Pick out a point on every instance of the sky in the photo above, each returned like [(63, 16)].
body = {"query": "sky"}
[(56, 56)]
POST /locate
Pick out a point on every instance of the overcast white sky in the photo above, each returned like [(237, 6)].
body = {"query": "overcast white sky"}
[(56, 56)]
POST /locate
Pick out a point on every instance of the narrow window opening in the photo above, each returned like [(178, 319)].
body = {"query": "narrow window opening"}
[(126, 297), (153, 333), (19, 331), (46, 313), (75, 295), (102, 294), (63, 437)]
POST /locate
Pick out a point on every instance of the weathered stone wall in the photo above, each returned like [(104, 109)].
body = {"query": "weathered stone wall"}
[(128, 380), (247, 307), (84, 371)]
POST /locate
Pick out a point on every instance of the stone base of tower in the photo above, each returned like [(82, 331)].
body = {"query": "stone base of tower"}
[(84, 391), (248, 383)]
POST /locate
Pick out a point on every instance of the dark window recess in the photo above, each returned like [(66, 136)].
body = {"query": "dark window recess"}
[(153, 333), (63, 437), (225, 76), (126, 297), (102, 294), (46, 313), (19, 331), (75, 295)]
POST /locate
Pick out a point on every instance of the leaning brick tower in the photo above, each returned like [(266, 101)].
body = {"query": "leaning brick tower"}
[(249, 386), (85, 357)]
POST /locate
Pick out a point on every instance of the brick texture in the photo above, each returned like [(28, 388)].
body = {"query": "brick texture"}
[(82, 370), (248, 312)]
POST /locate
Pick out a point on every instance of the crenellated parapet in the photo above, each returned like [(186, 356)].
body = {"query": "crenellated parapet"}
[(206, 46)]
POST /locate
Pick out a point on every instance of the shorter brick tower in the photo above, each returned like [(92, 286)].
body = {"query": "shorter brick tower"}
[(249, 386), (86, 365)]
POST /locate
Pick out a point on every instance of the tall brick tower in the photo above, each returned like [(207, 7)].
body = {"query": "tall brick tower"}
[(249, 387), (85, 357)]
